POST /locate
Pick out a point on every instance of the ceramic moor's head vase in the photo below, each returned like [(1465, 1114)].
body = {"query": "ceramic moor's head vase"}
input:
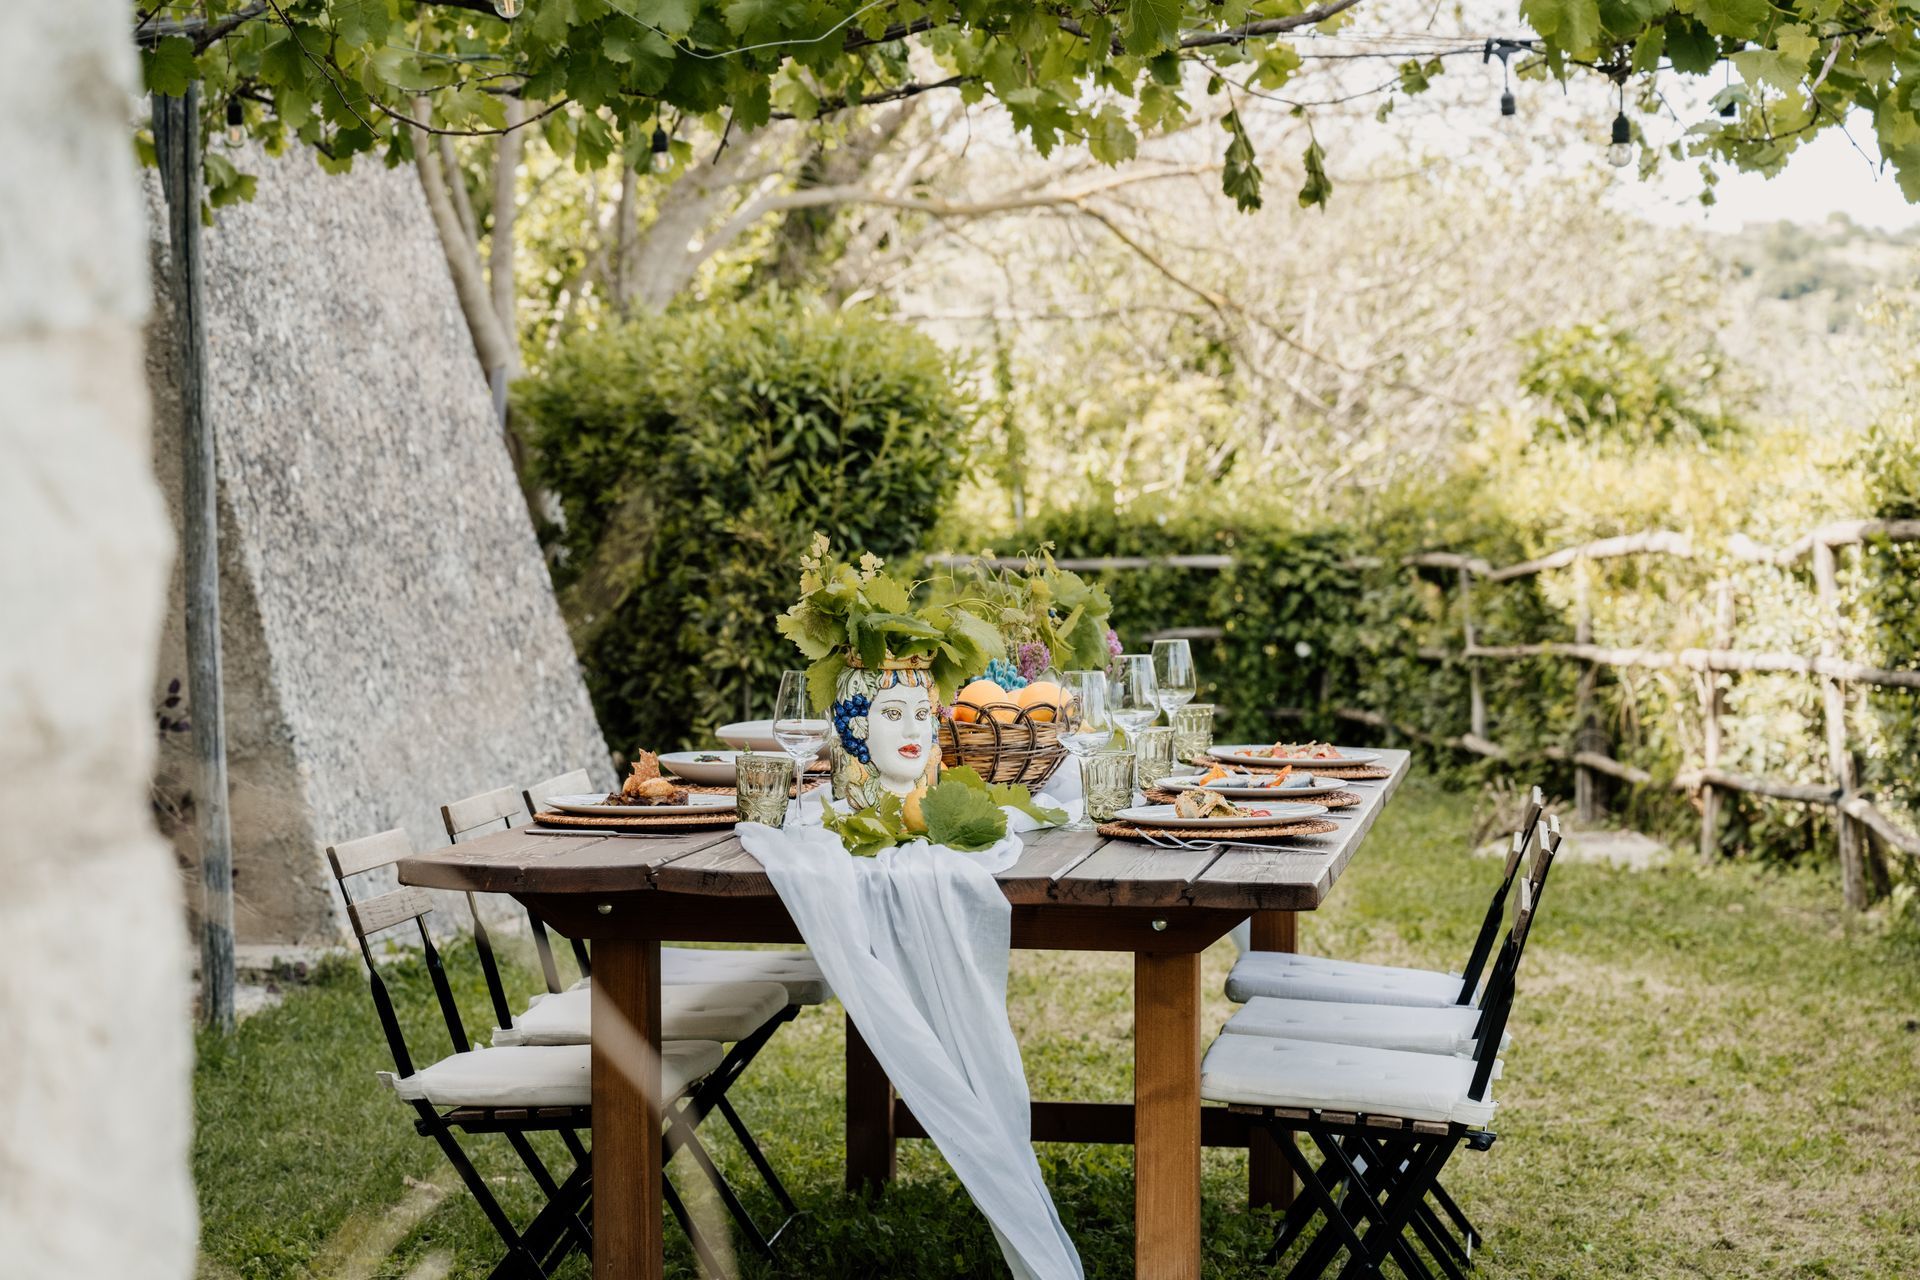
[(884, 731)]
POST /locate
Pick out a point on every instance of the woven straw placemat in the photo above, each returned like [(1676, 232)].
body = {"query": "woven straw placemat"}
[(813, 784), (1349, 772), (684, 821), (1300, 827), (1332, 799)]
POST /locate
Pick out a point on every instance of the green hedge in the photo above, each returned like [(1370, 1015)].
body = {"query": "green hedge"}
[(693, 456)]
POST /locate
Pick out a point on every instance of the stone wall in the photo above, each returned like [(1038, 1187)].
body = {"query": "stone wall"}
[(390, 634)]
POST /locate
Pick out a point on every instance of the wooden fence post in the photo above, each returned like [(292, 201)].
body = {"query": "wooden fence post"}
[(1833, 696), (1713, 702), (1586, 793), (1476, 695)]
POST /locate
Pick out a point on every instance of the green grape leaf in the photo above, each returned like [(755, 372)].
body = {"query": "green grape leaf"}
[(1739, 18), (962, 817), (1240, 171), (1011, 795), (1571, 25), (1151, 25), (823, 679), (1690, 47), (1318, 187), (885, 593), (169, 66)]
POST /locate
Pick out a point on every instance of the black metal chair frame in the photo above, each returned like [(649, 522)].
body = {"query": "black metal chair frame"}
[(708, 1096), (1370, 1190), (563, 1223)]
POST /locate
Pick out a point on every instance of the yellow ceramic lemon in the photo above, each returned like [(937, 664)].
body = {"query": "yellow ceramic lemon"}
[(984, 695), (910, 815), (1042, 700)]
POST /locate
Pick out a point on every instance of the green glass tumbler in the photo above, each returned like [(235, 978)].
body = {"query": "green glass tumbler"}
[(762, 783)]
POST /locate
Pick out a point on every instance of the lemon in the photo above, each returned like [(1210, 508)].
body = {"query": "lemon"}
[(910, 815)]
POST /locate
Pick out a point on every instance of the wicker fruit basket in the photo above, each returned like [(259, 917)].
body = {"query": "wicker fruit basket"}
[(1003, 744)]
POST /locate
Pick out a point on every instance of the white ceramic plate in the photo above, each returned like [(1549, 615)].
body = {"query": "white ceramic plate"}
[(1245, 786), (708, 768), (595, 806), (1255, 753), (754, 735), (1162, 815)]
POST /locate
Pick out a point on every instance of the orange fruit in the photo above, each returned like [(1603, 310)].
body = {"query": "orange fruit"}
[(1042, 700), (983, 695)]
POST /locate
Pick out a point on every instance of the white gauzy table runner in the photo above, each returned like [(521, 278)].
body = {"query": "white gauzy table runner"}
[(915, 943)]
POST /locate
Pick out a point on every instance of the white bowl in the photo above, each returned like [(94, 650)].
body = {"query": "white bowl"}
[(708, 768), (754, 735)]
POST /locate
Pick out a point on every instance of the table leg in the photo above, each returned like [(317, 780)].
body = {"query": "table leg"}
[(627, 1175), (1269, 1176), (870, 1133), (1166, 1102)]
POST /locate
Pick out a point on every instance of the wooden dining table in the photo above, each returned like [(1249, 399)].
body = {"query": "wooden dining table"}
[(1070, 890)]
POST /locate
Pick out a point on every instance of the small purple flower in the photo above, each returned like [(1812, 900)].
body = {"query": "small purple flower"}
[(1113, 642), (1033, 658)]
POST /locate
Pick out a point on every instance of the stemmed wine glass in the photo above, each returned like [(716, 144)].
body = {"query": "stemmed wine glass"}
[(1133, 696), (799, 732), (1173, 672), (1086, 725)]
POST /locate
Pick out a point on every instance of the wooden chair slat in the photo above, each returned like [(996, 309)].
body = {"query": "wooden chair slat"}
[(567, 784), (503, 804), (352, 857), (383, 911), (1431, 1128)]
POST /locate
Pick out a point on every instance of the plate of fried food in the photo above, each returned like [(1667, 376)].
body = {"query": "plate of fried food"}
[(644, 790), (1290, 784), (1303, 754), (1201, 810)]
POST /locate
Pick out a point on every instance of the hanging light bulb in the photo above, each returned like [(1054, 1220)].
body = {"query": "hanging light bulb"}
[(1504, 49), (236, 123), (1620, 150), (509, 9), (660, 154), (1507, 105)]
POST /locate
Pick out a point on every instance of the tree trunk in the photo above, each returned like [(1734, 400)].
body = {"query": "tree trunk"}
[(506, 211), (97, 1057), (623, 220), (463, 259), (457, 187)]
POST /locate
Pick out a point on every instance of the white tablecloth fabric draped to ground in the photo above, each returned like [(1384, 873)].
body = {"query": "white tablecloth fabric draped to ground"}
[(915, 943)]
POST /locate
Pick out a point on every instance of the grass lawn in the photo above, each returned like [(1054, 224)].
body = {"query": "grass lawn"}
[(1713, 1075)]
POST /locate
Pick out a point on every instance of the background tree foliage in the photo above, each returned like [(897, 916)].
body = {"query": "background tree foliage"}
[(694, 457), (601, 76)]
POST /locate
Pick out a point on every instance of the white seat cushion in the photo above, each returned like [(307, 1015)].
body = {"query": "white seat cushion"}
[(1268, 1072), (797, 971), (1379, 1026), (540, 1075), (723, 1011), (1297, 977)]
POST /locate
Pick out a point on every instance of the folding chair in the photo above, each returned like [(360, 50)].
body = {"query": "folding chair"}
[(742, 1015), (514, 1092), (1287, 975), (1385, 1122)]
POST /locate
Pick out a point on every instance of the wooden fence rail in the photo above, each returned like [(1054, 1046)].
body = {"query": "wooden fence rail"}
[(1855, 814)]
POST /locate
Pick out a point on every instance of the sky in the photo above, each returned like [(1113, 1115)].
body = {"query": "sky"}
[(1826, 176)]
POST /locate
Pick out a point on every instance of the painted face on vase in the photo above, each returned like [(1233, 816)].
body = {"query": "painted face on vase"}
[(900, 736)]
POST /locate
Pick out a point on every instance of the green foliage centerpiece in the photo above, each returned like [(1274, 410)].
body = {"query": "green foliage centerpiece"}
[(882, 668)]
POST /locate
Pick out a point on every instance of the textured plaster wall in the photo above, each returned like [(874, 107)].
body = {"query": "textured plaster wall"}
[(391, 637), (94, 994)]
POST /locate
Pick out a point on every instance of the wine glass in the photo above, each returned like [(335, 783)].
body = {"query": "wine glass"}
[(1173, 672), (1133, 696), (1086, 726), (799, 732)]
